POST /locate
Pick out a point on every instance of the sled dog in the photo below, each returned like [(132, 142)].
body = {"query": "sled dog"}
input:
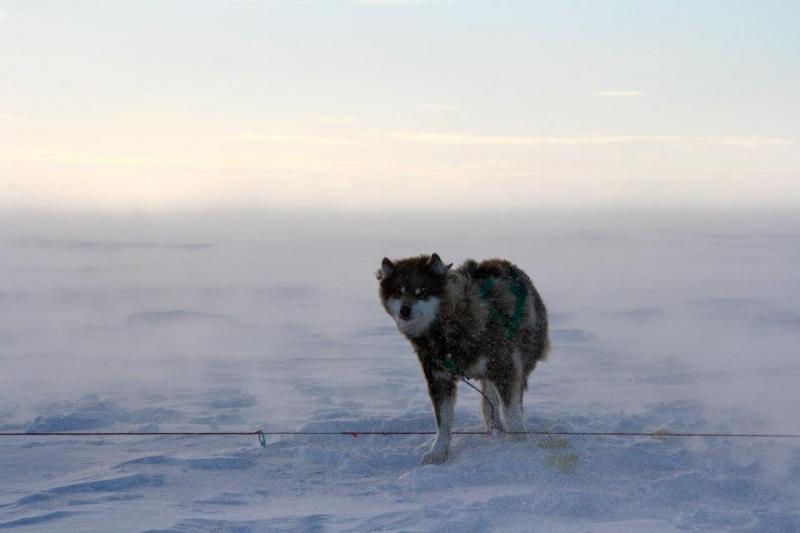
[(482, 321)]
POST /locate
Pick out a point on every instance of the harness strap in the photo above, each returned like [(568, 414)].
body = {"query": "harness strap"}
[(520, 292), (451, 365)]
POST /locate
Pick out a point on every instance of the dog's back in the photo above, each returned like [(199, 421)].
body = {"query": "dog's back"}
[(514, 300)]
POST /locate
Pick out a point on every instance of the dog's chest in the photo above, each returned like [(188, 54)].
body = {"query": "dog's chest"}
[(443, 355), (477, 370), (447, 367)]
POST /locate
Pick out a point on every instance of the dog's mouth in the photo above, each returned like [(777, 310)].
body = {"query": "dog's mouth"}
[(414, 319), (413, 326)]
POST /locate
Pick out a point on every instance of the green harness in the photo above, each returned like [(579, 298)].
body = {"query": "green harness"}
[(520, 292), (518, 289)]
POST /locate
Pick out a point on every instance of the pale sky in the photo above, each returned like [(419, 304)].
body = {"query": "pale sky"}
[(395, 104)]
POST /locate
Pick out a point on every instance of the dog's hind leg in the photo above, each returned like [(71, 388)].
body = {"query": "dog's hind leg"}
[(490, 407), (511, 396)]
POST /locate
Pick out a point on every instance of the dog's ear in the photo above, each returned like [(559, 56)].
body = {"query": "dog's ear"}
[(435, 263), (387, 267)]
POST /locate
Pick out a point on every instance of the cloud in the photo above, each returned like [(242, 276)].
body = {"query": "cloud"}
[(520, 140), (296, 139), (616, 92), (440, 107), (434, 138), (73, 157), (336, 120), (395, 2)]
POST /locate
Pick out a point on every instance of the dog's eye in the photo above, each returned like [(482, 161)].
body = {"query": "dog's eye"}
[(419, 292)]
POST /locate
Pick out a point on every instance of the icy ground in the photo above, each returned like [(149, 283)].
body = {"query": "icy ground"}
[(238, 322)]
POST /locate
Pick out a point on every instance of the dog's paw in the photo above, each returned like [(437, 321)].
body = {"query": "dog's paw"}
[(492, 431), (434, 458)]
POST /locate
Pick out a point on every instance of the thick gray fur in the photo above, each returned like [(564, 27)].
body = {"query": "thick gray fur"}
[(444, 316)]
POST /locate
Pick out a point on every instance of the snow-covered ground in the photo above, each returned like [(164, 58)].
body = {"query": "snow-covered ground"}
[(685, 322)]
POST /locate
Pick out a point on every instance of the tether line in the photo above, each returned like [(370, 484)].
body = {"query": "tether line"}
[(449, 365), (655, 434)]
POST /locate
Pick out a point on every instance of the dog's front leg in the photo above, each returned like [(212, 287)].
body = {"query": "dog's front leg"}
[(442, 390)]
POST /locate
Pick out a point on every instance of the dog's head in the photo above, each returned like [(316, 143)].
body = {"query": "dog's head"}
[(411, 291)]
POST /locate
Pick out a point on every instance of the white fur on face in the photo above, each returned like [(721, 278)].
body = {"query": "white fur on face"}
[(394, 306), (423, 313)]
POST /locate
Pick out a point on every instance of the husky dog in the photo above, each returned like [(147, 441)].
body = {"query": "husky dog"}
[(481, 320)]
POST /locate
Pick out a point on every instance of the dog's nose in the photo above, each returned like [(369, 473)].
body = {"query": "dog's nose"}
[(405, 312)]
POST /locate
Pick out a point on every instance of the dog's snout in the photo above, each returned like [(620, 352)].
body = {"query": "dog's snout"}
[(405, 312)]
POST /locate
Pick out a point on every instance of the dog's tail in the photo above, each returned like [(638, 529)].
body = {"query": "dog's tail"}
[(542, 326)]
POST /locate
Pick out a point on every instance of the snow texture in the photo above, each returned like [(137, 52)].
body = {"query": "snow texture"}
[(244, 321)]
